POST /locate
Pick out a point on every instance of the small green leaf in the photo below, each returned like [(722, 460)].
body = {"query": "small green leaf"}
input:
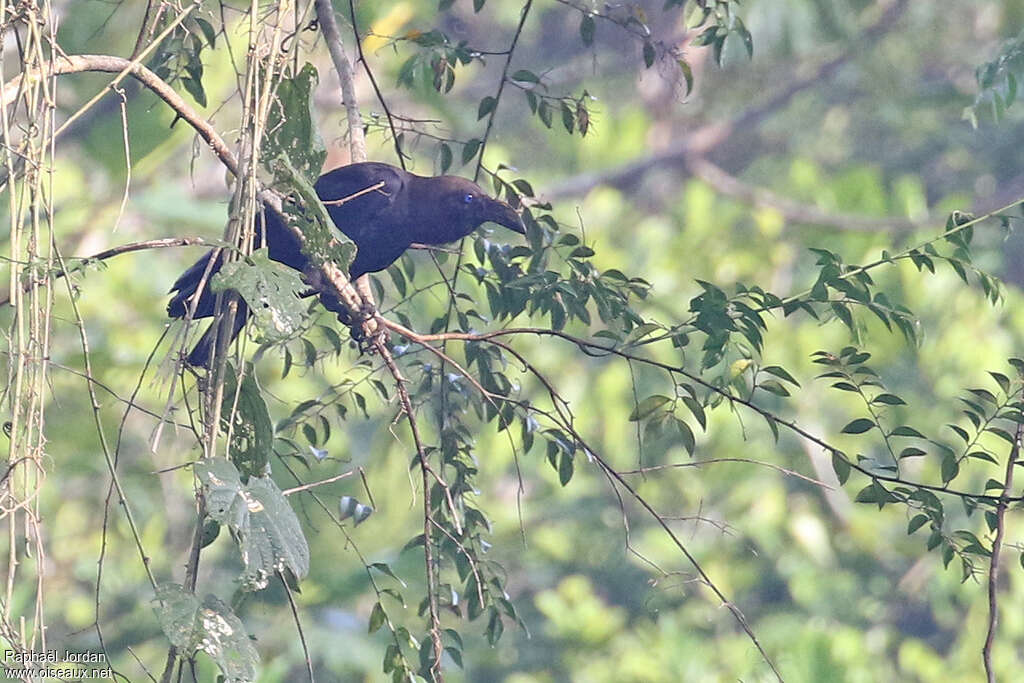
[(841, 467), (525, 76), (773, 387), (949, 469), (470, 149), (648, 406), (916, 522), (858, 426), (377, 618), (781, 373), (486, 107), (687, 71), (446, 157)]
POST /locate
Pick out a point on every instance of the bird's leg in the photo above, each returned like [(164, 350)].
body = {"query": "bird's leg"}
[(362, 324)]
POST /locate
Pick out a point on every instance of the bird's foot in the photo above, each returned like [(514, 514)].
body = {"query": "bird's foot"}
[(366, 330)]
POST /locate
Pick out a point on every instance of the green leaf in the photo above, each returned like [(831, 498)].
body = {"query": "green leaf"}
[(525, 76), (270, 289), (949, 469), (210, 626), (858, 426), (905, 430), (889, 400), (208, 32), (470, 149), (697, 410), (377, 618), (244, 416), (781, 373), (291, 125), (446, 157), (648, 406), (268, 532), (194, 87), (565, 468), (687, 71), (916, 522), (841, 467), (486, 107), (773, 387), (686, 434)]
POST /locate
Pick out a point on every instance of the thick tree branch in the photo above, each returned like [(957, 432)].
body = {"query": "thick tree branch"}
[(346, 78)]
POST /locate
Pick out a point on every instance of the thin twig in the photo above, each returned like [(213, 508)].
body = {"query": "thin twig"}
[(598, 350), (713, 461), (163, 243), (993, 567), (501, 87), (298, 626), (315, 484)]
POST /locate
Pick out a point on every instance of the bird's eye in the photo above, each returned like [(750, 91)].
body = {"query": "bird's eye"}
[(467, 198)]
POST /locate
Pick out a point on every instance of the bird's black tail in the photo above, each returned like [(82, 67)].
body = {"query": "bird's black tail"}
[(202, 353), (186, 288)]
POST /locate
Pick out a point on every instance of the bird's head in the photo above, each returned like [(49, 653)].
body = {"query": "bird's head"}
[(463, 206)]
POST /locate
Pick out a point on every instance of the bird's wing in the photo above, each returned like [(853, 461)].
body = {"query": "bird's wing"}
[(360, 197)]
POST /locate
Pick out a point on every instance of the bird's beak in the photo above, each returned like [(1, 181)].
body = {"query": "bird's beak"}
[(501, 213)]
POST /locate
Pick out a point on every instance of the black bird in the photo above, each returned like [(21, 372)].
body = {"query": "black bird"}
[(382, 222)]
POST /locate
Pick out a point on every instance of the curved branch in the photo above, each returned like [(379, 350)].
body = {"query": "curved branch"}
[(124, 249), (599, 350), (70, 64), (329, 278)]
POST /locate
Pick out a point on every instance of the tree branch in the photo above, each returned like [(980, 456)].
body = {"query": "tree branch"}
[(993, 567)]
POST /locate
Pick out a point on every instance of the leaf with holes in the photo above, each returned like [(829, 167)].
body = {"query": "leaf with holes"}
[(244, 416), (261, 520), (209, 626)]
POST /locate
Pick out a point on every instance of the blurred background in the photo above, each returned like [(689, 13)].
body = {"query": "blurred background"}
[(844, 131)]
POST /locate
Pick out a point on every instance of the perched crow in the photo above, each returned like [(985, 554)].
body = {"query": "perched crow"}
[(382, 223)]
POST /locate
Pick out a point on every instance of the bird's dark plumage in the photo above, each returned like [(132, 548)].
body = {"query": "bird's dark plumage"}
[(382, 222)]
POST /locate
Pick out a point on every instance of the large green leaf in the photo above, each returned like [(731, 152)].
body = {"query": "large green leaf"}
[(209, 626), (271, 291), (291, 127), (244, 416), (259, 517)]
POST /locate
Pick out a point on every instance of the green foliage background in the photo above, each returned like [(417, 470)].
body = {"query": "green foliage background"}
[(835, 590)]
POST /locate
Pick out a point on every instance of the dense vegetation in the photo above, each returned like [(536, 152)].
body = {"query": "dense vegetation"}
[(744, 403)]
